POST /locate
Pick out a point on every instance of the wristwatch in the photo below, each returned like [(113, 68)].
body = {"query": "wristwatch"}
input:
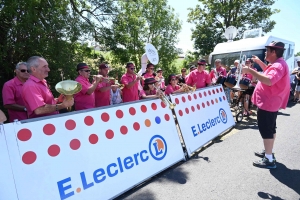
[(25, 109)]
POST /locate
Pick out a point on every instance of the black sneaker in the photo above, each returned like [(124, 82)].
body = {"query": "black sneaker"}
[(262, 154), (265, 163)]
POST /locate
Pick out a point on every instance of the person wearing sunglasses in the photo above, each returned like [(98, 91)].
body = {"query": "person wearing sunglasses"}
[(149, 73), (149, 90), (12, 93), (131, 84), (172, 86), (199, 77), (85, 99), (217, 71), (36, 93)]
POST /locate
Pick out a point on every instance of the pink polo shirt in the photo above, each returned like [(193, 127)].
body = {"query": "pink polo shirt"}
[(83, 100), (147, 93), (129, 94), (250, 76), (272, 98), (220, 71), (36, 93), (201, 79), (12, 94), (102, 98), (170, 89)]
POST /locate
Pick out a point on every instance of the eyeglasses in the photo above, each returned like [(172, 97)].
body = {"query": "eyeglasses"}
[(132, 68), (151, 68), (86, 70), (24, 70)]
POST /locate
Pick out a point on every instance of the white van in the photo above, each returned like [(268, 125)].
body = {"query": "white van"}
[(230, 51)]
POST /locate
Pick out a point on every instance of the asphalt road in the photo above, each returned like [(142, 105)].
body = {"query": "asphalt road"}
[(224, 170)]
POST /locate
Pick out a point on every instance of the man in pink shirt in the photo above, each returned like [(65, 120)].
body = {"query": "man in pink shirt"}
[(12, 94), (218, 71), (199, 77), (36, 94), (85, 99), (102, 92), (271, 94), (130, 81)]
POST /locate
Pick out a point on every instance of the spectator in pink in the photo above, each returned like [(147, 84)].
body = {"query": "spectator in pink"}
[(199, 77), (12, 94), (102, 92), (161, 80), (270, 94), (149, 72), (149, 90), (172, 86), (218, 71), (36, 94), (131, 81), (85, 99)]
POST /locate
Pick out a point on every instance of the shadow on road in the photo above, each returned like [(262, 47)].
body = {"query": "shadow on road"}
[(147, 195), (264, 195), (289, 177)]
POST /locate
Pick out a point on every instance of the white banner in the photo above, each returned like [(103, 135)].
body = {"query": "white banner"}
[(202, 116), (93, 155)]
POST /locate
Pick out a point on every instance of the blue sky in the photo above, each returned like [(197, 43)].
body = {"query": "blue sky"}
[(287, 21)]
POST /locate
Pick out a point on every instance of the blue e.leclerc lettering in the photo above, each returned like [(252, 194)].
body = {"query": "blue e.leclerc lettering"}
[(209, 123), (100, 175)]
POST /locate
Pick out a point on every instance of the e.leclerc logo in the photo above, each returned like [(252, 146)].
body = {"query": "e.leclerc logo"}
[(157, 150), (210, 123)]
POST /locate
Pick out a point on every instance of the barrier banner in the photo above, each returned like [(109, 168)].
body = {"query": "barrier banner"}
[(202, 116), (98, 154)]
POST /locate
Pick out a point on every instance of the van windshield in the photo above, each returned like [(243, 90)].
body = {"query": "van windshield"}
[(228, 59)]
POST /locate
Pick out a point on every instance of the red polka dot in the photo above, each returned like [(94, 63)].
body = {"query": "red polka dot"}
[(200, 95), (49, 129), (132, 111), (213, 91), (24, 134), (221, 90), (217, 90), (93, 138), (212, 102), (29, 157), (195, 96), (163, 104), (167, 117), (109, 134), (193, 108), (189, 97), (53, 150), (105, 117), (70, 124), (198, 107), (224, 97), (75, 144), (187, 110), (119, 114), (88, 120), (136, 126), (204, 93), (153, 106), (180, 113), (124, 130), (207, 103), (209, 92), (203, 105), (177, 101), (183, 99), (143, 108)]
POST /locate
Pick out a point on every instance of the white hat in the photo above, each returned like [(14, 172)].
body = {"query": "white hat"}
[(237, 61)]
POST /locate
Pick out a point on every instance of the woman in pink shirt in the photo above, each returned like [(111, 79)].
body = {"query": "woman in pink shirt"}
[(172, 86), (85, 99), (149, 90)]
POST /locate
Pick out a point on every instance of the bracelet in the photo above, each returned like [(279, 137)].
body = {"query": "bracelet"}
[(56, 107)]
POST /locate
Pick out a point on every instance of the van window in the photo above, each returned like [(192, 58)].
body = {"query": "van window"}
[(228, 59)]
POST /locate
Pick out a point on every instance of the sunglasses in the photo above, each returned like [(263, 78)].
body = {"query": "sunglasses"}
[(132, 68), (86, 70), (200, 64), (24, 70), (173, 79), (151, 68)]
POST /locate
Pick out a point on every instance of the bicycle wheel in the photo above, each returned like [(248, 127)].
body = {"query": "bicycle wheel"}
[(239, 116)]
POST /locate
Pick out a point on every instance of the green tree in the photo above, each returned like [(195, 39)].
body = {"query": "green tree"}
[(298, 54), (141, 22), (212, 17)]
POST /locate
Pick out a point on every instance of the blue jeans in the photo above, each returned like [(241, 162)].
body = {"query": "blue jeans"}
[(227, 93)]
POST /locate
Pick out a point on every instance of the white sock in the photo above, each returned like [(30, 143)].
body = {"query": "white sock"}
[(270, 157)]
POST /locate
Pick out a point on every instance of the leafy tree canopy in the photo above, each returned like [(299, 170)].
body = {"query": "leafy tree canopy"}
[(212, 17)]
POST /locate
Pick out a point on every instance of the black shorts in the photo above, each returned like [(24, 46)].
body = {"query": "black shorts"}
[(266, 123), (250, 90)]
